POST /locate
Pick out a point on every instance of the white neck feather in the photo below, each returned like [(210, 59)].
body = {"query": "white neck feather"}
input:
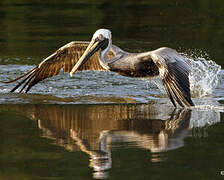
[(103, 56)]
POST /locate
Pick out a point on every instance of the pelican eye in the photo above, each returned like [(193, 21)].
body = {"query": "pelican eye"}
[(99, 37)]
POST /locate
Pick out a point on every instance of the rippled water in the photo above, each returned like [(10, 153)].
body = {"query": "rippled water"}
[(91, 87)]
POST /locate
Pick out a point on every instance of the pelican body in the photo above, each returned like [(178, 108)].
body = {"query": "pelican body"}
[(101, 54)]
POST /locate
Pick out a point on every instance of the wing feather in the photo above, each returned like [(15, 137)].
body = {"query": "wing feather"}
[(174, 71), (64, 58)]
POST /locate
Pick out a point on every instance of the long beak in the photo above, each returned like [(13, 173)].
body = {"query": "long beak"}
[(90, 50)]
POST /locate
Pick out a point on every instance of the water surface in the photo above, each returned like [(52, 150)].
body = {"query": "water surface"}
[(102, 125), (110, 141)]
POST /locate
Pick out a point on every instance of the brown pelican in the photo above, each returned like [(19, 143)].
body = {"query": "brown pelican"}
[(164, 62)]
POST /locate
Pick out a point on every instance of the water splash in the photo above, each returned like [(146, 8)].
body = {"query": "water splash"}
[(203, 77)]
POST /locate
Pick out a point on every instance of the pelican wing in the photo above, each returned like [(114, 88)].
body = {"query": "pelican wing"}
[(174, 71), (66, 57)]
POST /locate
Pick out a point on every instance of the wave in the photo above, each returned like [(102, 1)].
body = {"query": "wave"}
[(203, 77)]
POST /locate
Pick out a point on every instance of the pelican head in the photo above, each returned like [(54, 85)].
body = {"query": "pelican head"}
[(102, 38), (102, 33)]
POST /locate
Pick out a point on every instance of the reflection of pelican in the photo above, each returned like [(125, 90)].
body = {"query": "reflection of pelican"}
[(170, 136), (141, 126), (100, 160), (148, 132), (163, 62), (166, 135)]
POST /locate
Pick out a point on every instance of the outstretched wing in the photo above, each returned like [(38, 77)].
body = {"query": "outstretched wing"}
[(174, 71), (65, 57)]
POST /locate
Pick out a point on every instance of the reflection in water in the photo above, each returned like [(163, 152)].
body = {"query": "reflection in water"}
[(97, 129)]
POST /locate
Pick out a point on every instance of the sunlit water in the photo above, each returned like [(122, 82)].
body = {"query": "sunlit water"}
[(206, 80)]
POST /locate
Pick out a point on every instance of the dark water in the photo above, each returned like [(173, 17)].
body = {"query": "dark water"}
[(102, 125), (119, 141)]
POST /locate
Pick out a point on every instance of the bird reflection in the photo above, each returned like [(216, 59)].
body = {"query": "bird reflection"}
[(100, 160), (137, 126), (97, 129)]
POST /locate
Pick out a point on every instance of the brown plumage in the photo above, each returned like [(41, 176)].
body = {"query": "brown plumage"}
[(100, 54), (64, 58)]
